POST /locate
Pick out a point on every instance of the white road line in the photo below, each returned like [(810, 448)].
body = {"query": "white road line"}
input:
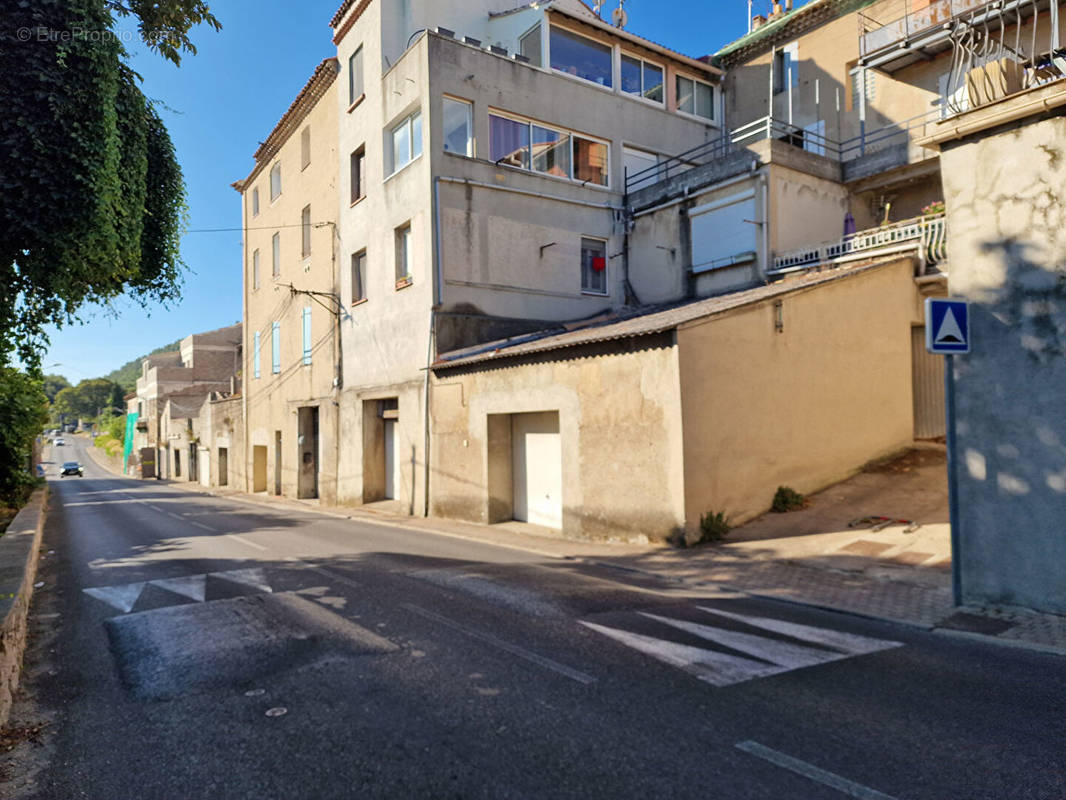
[(513, 649), (830, 779), (848, 643), (237, 538), (204, 527), (784, 654), (122, 597), (710, 666), (193, 586)]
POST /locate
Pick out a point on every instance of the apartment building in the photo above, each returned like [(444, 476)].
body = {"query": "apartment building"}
[(291, 259), (485, 150), (205, 363)]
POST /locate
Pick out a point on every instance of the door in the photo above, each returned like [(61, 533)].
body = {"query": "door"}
[(259, 468), (536, 450), (277, 462), (223, 466), (927, 384), (392, 459), (308, 448)]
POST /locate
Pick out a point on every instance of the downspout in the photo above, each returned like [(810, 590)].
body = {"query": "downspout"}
[(765, 223), (438, 297), (338, 382)]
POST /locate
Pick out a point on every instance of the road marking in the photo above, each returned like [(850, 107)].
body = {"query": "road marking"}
[(194, 586), (121, 597), (125, 596), (849, 643), (201, 526), (513, 649), (769, 656), (830, 779), (237, 538)]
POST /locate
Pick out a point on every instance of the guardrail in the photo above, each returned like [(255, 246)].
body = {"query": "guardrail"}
[(927, 235), (874, 35)]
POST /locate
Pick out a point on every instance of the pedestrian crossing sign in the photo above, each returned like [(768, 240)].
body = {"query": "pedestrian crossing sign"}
[(947, 326)]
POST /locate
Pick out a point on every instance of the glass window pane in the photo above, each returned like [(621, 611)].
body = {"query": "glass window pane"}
[(401, 145), (631, 75), (355, 76), (593, 266), (705, 100), (653, 83), (576, 55), (508, 142), (416, 135), (529, 46), (457, 127), (358, 268), (590, 161), (275, 181), (551, 152), (276, 244), (685, 99)]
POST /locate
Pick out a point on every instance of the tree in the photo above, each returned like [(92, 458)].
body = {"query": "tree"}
[(52, 384), (85, 400), (23, 412), (91, 194)]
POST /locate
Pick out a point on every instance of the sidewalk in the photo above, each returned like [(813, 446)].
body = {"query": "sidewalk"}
[(889, 574)]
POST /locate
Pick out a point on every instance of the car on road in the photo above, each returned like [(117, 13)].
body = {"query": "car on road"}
[(59, 443), (72, 468)]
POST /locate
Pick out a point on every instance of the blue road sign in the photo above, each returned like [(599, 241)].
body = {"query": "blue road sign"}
[(947, 326)]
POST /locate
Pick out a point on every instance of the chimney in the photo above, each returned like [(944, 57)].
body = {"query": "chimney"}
[(788, 6), (757, 22), (777, 10)]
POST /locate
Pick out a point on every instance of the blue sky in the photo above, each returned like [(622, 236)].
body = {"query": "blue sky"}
[(226, 99)]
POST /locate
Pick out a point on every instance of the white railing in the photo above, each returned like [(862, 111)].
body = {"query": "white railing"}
[(927, 235), (874, 35)]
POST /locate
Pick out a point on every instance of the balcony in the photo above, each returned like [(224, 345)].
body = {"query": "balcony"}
[(925, 236)]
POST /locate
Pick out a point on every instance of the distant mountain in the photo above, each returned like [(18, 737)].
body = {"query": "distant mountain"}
[(126, 376)]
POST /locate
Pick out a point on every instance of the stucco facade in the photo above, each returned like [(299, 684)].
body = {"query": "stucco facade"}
[(291, 362)]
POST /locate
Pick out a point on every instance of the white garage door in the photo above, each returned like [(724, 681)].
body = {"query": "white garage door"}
[(723, 229), (538, 466)]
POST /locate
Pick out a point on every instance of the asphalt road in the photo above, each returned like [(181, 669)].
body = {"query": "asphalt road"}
[(213, 648)]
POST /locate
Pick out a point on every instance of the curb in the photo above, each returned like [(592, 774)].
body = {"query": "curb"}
[(19, 551)]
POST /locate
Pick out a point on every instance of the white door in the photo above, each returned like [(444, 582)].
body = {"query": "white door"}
[(538, 468), (392, 460)]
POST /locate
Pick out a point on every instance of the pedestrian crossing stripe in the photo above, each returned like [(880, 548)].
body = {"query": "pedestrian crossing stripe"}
[(768, 656), (125, 596)]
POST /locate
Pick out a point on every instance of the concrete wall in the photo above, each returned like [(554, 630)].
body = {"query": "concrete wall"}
[(271, 399), (1007, 212), (802, 407), (620, 429)]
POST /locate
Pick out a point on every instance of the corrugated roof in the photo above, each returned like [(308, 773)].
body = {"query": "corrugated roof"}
[(644, 324), (321, 79)]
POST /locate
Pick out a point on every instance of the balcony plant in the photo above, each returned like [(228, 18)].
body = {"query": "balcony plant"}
[(934, 208)]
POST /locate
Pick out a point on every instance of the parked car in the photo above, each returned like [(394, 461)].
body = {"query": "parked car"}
[(72, 468), (59, 443)]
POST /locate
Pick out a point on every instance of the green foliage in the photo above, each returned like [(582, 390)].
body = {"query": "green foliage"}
[(91, 194), (52, 386), (126, 376), (787, 499), (23, 413), (115, 427), (713, 527), (85, 400)]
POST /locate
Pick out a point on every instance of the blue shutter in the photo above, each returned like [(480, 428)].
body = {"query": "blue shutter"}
[(307, 335), (255, 355), (275, 347)]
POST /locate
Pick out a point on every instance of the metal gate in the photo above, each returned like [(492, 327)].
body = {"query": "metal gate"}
[(927, 381)]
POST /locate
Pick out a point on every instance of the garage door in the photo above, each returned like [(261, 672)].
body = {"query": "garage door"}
[(538, 463)]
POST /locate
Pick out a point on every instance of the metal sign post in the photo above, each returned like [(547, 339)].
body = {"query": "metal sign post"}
[(947, 331)]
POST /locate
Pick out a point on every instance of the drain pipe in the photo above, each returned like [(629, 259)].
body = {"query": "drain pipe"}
[(765, 224), (438, 298)]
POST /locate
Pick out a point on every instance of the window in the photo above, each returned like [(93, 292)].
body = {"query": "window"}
[(355, 76), (403, 254), (276, 247), (305, 147), (406, 141), (594, 266), (529, 45), (695, 97), (359, 276), (640, 168), (275, 347), (528, 145), (642, 78), (786, 69), (307, 334), (255, 202), (275, 181), (358, 174), (458, 127), (305, 232), (255, 354), (584, 58), (255, 269)]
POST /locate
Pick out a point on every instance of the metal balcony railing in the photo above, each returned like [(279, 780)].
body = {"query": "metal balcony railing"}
[(919, 16), (927, 235)]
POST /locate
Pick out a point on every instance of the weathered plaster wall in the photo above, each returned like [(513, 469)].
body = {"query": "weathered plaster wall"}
[(620, 429), (1007, 215), (803, 407)]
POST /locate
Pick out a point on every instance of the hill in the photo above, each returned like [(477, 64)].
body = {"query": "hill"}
[(126, 376)]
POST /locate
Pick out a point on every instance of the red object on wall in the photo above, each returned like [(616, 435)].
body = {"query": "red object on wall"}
[(599, 263)]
